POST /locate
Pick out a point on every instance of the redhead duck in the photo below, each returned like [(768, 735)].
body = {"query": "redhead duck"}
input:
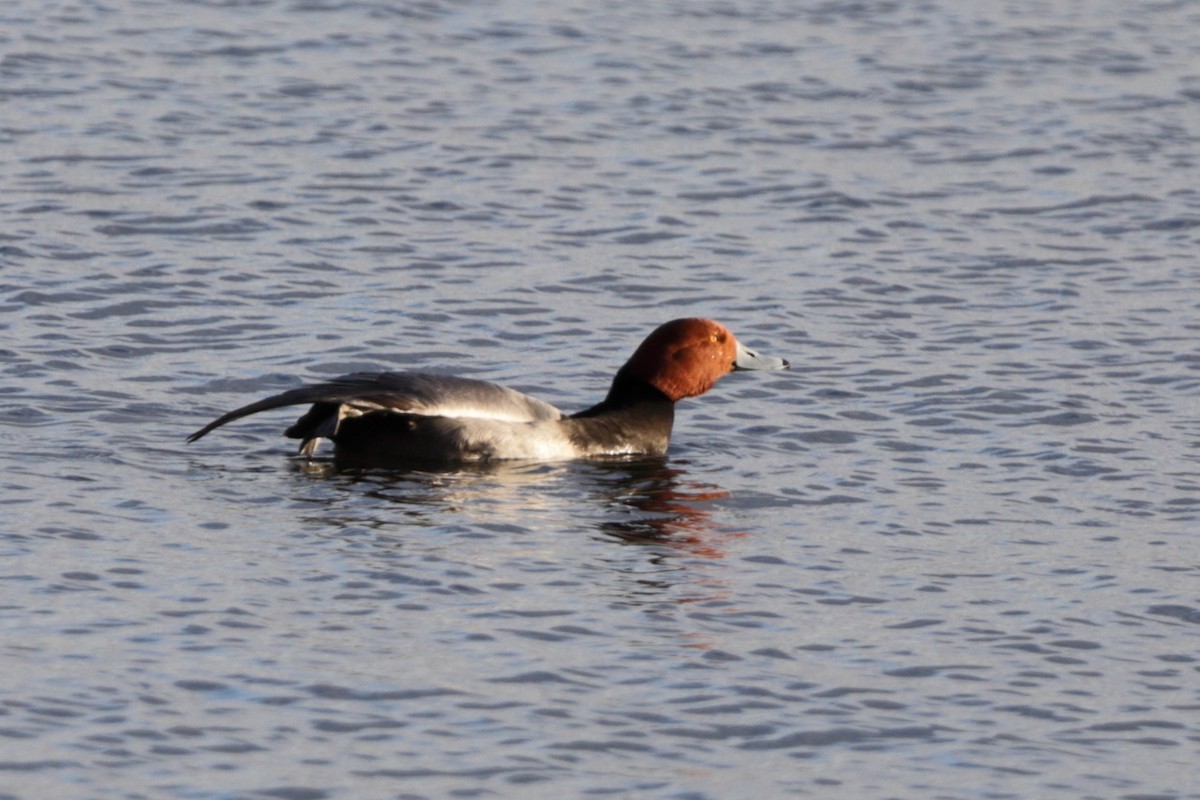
[(409, 416)]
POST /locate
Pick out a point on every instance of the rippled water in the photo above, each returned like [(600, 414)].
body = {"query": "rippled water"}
[(952, 554)]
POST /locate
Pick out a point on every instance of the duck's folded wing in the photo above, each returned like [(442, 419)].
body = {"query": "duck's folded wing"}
[(406, 393)]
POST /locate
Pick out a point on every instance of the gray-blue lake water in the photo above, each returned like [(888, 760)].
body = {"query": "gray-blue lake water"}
[(952, 554)]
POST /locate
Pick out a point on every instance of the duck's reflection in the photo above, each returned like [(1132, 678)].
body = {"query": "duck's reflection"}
[(645, 501), (654, 535), (660, 504)]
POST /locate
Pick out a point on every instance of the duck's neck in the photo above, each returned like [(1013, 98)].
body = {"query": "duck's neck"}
[(627, 391), (634, 417)]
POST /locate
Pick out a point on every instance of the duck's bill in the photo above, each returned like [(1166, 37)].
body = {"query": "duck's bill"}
[(748, 359)]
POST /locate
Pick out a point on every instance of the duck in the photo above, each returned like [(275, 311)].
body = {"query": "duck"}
[(426, 417)]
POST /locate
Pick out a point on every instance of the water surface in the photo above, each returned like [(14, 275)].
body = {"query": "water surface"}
[(951, 554)]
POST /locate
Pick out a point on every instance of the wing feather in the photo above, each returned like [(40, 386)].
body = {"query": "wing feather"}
[(408, 393)]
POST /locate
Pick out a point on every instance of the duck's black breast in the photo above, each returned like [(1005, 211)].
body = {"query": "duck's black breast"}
[(634, 418)]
